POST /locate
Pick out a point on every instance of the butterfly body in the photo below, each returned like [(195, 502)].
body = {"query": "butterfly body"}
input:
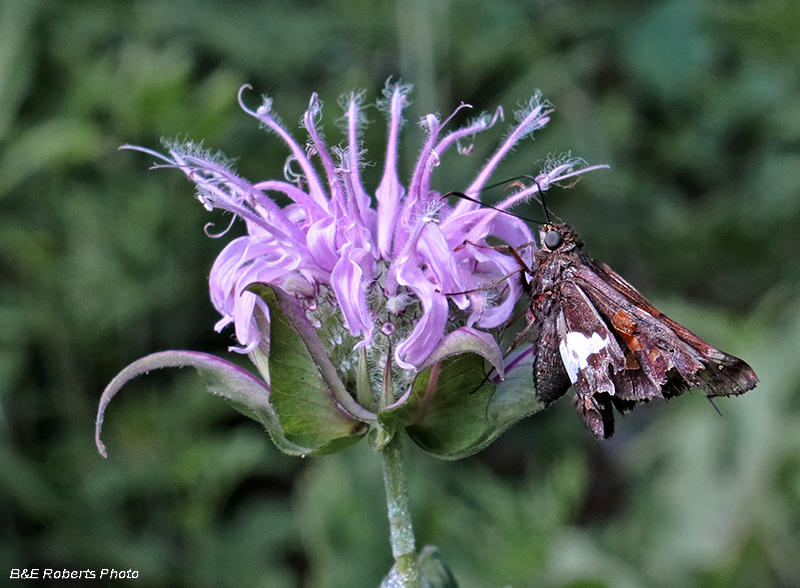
[(596, 332)]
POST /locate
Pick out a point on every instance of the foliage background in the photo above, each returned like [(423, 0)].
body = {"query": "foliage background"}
[(696, 106)]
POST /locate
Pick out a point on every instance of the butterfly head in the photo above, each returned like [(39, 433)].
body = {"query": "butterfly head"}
[(561, 237)]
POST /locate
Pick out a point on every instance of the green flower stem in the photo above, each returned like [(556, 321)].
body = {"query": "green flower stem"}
[(404, 547)]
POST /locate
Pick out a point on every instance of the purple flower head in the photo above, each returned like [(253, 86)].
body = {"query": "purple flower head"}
[(372, 303), (400, 268)]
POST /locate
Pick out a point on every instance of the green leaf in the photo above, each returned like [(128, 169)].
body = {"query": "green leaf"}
[(448, 405), (453, 410), (311, 402), (514, 399), (465, 412), (244, 391)]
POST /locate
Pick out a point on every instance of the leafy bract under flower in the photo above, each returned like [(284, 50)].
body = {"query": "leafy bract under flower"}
[(380, 284)]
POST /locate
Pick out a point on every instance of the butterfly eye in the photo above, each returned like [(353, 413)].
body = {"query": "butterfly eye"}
[(553, 240)]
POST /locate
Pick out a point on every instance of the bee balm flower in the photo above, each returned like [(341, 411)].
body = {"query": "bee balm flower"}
[(368, 310)]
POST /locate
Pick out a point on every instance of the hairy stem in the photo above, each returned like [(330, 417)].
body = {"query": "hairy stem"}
[(406, 566)]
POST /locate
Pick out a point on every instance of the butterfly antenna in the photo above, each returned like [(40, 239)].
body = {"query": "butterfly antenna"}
[(540, 192), (509, 182), (476, 201)]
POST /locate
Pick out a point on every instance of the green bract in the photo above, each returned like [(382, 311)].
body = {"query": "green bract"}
[(452, 409)]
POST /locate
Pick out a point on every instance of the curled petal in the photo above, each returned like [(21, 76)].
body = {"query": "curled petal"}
[(321, 241), (436, 254), (498, 264), (430, 328), (349, 281), (246, 331)]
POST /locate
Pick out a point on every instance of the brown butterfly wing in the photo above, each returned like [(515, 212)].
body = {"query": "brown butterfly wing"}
[(591, 356), (550, 379), (672, 357)]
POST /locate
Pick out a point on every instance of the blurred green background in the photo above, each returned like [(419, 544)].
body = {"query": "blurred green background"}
[(694, 104)]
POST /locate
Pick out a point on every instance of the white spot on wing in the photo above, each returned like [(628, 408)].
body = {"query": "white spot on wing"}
[(575, 350)]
